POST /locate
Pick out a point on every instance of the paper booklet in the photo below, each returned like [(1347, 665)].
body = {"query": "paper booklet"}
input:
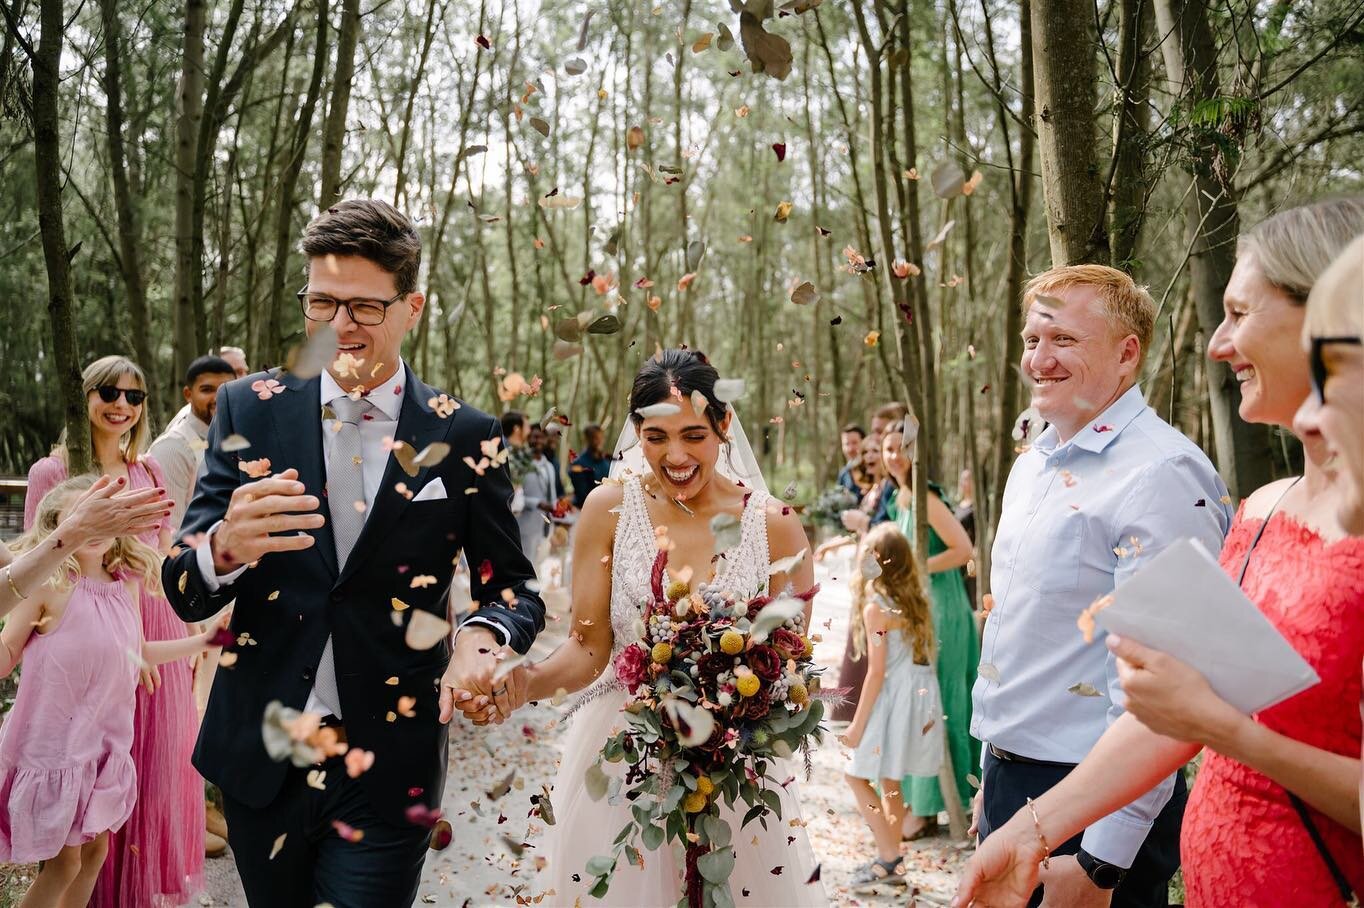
[(1184, 604)]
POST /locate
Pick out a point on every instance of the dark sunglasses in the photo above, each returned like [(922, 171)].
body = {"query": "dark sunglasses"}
[(110, 393), (1318, 365)]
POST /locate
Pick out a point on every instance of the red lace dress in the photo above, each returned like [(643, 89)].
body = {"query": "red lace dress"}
[(1242, 842)]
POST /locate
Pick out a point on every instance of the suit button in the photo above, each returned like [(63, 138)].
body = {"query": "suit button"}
[(307, 675)]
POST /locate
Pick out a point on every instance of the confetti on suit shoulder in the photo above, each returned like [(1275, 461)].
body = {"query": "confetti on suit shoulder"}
[(234, 443), (347, 831), (266, 388), (422, 581), (279, 843)]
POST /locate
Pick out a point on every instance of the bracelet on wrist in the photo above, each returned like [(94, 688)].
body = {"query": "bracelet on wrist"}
[(14, 587), (1042, 839)]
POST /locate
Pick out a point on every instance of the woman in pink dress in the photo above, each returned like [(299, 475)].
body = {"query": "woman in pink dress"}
[(157, 859), (1273, 818)]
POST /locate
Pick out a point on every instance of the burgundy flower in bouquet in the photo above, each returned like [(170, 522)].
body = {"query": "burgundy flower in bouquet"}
[(765, 662)]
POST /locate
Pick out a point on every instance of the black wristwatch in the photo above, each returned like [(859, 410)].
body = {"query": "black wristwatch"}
[(1100, 873)]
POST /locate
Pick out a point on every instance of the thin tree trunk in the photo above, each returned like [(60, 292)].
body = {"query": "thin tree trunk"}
[(130, 259), (400, 182), (1065, 85), (1244, 454), (52, 227), (334, 133), (1128, 184), (287, 188), (188, 315)]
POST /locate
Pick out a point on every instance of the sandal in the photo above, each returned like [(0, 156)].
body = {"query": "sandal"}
[(878, 872)]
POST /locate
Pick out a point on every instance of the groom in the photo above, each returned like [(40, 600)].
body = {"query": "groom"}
[(330, 558)]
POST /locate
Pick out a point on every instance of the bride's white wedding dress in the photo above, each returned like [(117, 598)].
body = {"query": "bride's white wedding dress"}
[(773, 865)]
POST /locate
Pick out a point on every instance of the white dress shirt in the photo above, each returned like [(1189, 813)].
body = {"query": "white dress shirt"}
[(378, 426), (1077, 519), (179, 451)]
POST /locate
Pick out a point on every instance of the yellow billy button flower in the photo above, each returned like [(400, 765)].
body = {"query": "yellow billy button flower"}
[(676, 590), (695, 802), (731, 643), (704, 786), (798, 694), (809, 646), (662, 652), (748, 685)]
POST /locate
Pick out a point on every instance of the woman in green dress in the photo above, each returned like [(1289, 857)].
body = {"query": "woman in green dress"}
[(954, 626)]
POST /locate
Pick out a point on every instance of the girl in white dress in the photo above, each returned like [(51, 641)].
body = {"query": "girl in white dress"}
[(684, 452), (897, 730)]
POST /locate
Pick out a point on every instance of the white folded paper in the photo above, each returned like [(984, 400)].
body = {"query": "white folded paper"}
[(1184, 604)]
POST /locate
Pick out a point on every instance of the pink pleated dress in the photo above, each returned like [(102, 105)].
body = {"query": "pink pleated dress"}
[(66, 762), (157, 859)]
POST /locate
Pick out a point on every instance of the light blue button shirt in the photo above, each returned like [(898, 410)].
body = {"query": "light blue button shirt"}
[(1078, 519)]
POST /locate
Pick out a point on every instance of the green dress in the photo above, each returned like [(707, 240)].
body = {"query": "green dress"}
[(958, 656)]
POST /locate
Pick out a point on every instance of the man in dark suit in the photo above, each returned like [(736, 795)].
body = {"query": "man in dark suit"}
[(338, 560)]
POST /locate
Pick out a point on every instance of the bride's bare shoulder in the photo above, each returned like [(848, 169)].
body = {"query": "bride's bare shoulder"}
[(602, 507)]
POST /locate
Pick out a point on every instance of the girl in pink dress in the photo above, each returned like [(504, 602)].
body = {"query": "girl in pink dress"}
[(67, 777), (157, 859)]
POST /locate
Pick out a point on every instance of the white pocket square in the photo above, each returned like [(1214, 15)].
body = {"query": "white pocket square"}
[(432, 491)]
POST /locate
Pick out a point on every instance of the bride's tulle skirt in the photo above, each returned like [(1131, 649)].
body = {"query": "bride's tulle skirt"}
[(586, 828)]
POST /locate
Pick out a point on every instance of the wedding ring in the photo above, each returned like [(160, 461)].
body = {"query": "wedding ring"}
[(500, 691)]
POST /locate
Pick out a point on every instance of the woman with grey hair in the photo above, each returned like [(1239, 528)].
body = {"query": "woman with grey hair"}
[(1274, 816)]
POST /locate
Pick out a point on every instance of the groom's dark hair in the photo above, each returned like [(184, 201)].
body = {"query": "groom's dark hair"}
[(686, 370), (370, 229)]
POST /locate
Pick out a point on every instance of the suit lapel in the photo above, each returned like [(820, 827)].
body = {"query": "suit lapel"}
[(298, 424), (418, 426)]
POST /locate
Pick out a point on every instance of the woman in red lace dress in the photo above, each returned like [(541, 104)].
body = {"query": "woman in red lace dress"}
[(1243, 842)]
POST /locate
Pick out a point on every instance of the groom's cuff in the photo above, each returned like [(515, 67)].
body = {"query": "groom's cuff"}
[(203, 556), (498, 630)]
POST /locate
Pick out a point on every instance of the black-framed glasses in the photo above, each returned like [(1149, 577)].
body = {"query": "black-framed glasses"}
[(134, 396), (319, 307), (1318, 365)]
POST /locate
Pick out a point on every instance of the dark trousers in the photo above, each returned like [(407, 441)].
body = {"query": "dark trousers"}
[(1008, 785), (315, 863)]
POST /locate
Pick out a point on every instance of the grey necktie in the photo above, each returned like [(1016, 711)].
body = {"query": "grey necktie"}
[(346, 504)]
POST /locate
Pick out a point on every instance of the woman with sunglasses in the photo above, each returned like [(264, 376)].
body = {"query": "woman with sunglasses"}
[(1273, 818), (158, 856)]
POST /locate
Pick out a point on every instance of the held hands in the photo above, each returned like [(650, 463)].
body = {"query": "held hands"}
[(1170, 697), (277, 504), (472, 684), (853, 736), (108, 510)]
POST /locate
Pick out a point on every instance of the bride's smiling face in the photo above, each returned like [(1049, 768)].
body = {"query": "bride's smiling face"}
[(682, 449)]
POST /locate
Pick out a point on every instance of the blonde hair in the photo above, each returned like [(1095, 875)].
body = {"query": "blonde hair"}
[(128, 554), (107, 370), (901, 585), (1127, 305), (1295, 247), (1335, 308)]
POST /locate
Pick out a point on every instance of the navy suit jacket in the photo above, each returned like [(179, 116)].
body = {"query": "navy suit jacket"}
[(289, 602)]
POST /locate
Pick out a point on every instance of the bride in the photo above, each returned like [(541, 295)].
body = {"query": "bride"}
[(682, 481)]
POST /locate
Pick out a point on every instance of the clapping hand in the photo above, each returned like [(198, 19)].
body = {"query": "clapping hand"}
[(108, 510), (278, 504)]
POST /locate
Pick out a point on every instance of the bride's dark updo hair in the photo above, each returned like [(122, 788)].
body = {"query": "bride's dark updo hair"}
[(686, 370)]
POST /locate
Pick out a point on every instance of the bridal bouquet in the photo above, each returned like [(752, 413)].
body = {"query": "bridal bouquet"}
[(827, 510), (720, 686)]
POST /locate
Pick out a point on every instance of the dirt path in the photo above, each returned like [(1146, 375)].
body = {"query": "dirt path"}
[(492, 858)]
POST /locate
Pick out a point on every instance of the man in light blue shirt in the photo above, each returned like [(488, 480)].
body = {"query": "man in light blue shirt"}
[(1104, 488)]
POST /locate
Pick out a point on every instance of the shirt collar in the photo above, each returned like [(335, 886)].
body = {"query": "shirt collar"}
[(388, 397), (197, 425), (1102, 429)]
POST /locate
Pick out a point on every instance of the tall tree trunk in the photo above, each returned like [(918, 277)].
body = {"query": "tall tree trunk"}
[(990, 496), (1244, 453), (51, 225), (130, 259), (334, 133), (190, 338), (1065, 86), (287, 190), (1127, 185)]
